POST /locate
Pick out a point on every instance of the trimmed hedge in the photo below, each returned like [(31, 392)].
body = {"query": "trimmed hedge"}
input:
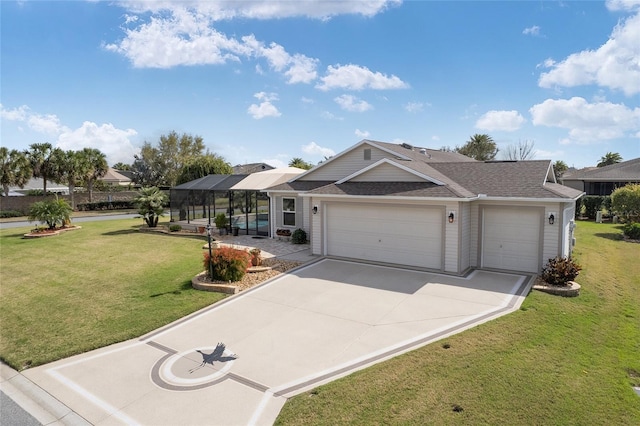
[(10, 213), (105, 205), (227, 264)]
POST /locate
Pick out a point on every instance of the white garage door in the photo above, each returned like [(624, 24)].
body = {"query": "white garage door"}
[(511, 239), (393, 234)]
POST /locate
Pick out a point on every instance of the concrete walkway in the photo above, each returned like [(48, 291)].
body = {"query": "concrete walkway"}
[(238, 361)]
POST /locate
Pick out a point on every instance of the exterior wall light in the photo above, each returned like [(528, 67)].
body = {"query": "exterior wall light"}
[(552, 219), (315, 209), (452, 216)]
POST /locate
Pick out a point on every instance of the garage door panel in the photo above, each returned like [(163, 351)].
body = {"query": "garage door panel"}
[(391, 234), (511, 239)]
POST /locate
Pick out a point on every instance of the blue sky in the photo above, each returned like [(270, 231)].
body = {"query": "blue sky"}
[(270, 81)]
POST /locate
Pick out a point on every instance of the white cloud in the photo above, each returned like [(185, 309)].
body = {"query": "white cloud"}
[(617, 5), (329, 116), (266, 9), (15, 114), (355, 77), (353, 104), (414, 106), (545, 155), (265, 108), (362, 134), (587, 122), (306, 100), (534, 31), (507, 121), (315, 149), (114, 143), (615, 64)]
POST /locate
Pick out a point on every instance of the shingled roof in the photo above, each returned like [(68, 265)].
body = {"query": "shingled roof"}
[(624, 171), (446, 174)]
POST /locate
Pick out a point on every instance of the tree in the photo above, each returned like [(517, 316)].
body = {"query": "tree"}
[(150, 203), (625, 201), (609, 158), (520, 152), (95, 166), (559, 167), (161, 165), (15, 169), (39, 155), (71, 168), (203, 165), (122, 166), (479, 147), (300, 163), (51, 212)]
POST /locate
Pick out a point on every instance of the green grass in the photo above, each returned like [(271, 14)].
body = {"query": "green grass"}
[(555, 361), (92, 287)]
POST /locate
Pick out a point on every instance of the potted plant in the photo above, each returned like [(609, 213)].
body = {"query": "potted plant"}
[(221, 222)]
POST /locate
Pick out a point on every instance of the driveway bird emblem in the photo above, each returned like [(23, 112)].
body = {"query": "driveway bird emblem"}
[(216, 355)]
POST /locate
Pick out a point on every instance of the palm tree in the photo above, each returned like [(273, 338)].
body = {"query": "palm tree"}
[(150, 203), (15, 169), (300, 163), (71, 168), (96, 167), (39, 155), (479, 147), (609, 158)]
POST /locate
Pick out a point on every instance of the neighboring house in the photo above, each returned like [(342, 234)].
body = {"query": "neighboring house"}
[(396, 204), (36, 184), (603, 180), (114, 177), (247, 169)]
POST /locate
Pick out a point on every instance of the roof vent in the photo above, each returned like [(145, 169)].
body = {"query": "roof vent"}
[(423, 151), (406, 146)]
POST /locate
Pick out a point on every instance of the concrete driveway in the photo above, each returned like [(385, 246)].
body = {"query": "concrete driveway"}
[(238, 361)]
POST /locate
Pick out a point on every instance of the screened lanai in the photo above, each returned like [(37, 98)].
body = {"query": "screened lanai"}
[(239, 197)]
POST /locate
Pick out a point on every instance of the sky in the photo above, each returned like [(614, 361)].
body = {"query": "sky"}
[(268, 81)]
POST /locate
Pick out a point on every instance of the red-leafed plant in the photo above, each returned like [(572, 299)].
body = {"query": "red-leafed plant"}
[(227, 264), (560, 270)]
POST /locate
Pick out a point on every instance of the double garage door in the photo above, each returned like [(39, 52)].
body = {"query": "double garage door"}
[(404, 235), (511, 239)]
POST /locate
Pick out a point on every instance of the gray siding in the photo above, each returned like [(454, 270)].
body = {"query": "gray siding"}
[(387, 173), (349, 163)]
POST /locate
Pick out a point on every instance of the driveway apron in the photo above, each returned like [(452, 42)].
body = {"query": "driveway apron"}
[(238, 361)]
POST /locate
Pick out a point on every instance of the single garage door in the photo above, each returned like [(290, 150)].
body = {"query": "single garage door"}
[(404, 235), (511, 239)]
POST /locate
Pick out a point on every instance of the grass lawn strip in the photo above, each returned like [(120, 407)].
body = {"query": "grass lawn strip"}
[(555, 361)]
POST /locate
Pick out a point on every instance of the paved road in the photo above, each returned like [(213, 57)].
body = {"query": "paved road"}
[(8, 225), (12, 414)]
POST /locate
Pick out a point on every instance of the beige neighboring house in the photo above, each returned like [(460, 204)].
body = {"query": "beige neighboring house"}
[(603, 180), (399, 204), (113, 177)]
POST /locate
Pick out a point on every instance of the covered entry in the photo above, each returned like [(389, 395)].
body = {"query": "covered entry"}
[(404, 235), (511, 238)]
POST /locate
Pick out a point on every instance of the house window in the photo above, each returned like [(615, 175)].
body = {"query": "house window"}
[(289, 211), (367, 154)]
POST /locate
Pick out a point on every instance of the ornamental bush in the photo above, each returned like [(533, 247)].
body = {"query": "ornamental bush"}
[(632, 230), (52, 212), (560, 270), (175, 228), (299, 236), (228, 264)]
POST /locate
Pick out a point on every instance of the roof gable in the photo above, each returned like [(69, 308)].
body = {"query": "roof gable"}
[(386, 170)]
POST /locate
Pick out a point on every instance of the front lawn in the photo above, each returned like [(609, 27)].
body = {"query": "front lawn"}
[(92, 287), (555, 361)]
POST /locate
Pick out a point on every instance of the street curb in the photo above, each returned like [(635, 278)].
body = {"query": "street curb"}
[(33, 399)]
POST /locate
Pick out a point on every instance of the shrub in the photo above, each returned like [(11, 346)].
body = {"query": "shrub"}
[(592, 204), (299, 236), (150, 203), (51, 212), (175, 228), (625, 201), (10, 213), (632, 230), (220, 220), (560, 270), (228, 264)]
